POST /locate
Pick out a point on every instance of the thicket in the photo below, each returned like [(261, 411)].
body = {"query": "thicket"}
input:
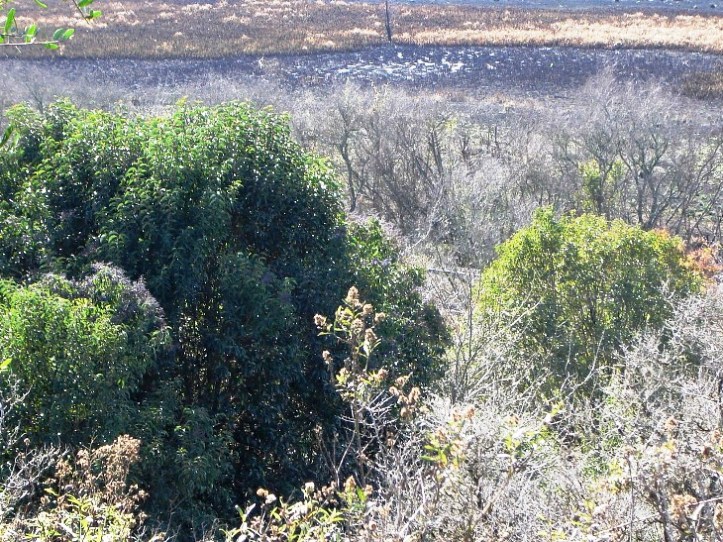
[(196, 261), (161, 278)]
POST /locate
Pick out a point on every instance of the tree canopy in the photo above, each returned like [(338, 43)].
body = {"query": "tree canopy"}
[(235, 238)]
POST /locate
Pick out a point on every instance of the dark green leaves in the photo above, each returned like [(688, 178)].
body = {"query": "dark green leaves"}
[(239, 236), (72, 344), (7, 133)]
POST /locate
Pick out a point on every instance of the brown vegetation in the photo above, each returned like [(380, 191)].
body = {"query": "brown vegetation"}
[(158, 29), (704, 85)]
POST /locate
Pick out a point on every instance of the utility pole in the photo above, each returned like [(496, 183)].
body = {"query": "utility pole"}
[(388, 21)]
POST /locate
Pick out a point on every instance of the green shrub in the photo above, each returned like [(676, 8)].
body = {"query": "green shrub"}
[(240, 237), (81, 349), (580, 286), (415, 335)]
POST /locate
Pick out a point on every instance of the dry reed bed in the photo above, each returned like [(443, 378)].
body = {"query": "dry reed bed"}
[(158, 29)]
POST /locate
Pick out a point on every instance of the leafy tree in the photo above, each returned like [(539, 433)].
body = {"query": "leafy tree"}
[(239, 236), (580, 286)]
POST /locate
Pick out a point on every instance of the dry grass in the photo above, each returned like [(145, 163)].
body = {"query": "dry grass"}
[(167, 29), (622, 30)]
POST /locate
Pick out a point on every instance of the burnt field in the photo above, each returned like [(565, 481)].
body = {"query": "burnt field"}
[(171, 29), (524, 69), (538, 71), (536, 50)]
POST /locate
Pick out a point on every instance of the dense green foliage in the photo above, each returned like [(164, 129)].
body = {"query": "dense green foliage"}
[(81, 350), (580, 286), (239, 238)]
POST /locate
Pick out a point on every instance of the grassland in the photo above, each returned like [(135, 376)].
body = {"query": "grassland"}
[(158, 29)]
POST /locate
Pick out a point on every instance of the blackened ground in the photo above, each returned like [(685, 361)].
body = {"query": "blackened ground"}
[(517, 70)]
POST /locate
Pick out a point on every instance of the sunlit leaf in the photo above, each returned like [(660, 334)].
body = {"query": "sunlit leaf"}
[(9, 21), (6, 135)]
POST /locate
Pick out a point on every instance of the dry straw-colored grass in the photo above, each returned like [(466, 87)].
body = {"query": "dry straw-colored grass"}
[(625, 30), (163, 29)]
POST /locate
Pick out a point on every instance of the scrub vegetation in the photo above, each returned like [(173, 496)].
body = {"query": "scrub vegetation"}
[(385, 314)]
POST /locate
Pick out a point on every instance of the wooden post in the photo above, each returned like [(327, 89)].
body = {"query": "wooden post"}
[(388, 20)]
